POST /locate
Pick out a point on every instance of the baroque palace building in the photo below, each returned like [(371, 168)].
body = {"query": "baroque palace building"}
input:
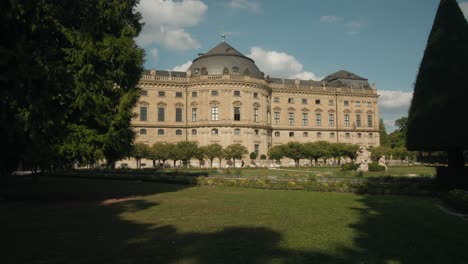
[(225, 98)]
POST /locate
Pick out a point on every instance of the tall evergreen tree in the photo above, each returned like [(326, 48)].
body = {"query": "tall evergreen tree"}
[(384, 141), (434, 123)]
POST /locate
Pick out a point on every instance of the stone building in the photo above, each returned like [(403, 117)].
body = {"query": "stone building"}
[(225, 98)]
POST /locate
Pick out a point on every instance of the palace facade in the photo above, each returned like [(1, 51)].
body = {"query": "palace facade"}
[(225, 98)]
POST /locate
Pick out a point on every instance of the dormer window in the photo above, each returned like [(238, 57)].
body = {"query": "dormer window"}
[(235, 69)]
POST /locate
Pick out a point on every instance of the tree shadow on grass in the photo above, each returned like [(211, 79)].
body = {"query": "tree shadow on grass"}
[(390, 229)]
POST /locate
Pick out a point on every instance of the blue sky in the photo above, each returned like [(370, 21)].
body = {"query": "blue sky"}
[(377, 39)]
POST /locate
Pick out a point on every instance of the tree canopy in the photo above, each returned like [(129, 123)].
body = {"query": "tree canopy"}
[(441, 75), (68, 74)]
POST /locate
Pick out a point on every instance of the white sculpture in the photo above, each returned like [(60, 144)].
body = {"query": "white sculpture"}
[(363, 158), (382, 162)]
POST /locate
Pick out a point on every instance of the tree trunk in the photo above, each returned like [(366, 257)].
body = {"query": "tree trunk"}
[(211, 163), (456, 160)]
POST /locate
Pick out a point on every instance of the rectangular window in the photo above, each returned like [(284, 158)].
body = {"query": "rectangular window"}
[(331, 119), (369, 104), (291, 100), (178, 94), (194, 114), (161, 93), (369, 121), (346, 120), (291, 119), (277, 118), (357, 103), (236, 113), (276, 99), (255, 95), (346, 103), (161, 114), (318, 119), (304, 101), (143, 113), (317, 101), (255, 115), (144, 93), (305, 119), (236, 93), (178, 114), (256, 149), (194, 94), (214, 93), (214, 113), (358, 120), (331, 102)]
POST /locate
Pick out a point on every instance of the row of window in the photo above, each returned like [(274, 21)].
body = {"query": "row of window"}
[(319, 134), (194, 94), (237, 131), (319, 102), (276, 117), (318, 119), (178, 132)]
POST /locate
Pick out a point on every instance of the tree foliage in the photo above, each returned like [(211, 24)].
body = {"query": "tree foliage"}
[(441, 75), (68, 74), (213, 151), (235, 151)]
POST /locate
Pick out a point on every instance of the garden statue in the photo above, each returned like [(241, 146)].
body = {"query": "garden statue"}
[(363, 158), (382, 162)]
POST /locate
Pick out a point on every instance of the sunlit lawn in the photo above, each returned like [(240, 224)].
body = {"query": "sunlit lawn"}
[(96, 221)]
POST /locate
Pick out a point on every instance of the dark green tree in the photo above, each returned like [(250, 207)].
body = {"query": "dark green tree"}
[(294, 151), (140, 151), (68, 72), (384, 141), (213, 151), (442, 75), (276, 153), (397, 138), (235, 151), (186, 150)]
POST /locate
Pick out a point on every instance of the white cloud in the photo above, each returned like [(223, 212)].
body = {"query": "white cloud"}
[(279, 64), (154, 54), (464, 8), (166, 22), (245, 4), (355, 26), (395, 99), (393, 105), (182, 67), (331, 19)]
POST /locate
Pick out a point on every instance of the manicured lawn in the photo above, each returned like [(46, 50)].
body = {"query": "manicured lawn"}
[(97, 221)]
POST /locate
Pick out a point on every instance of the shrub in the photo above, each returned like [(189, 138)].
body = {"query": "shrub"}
[(349, 166), (374, 166), (457, 199), (263, 157)]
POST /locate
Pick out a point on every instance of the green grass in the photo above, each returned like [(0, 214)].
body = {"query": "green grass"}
[(68, 221)]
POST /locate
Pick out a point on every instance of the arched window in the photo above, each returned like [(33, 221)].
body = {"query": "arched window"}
[(143, 131), (277, 134), (178, 132), (204, 71), (319, 134), (347, 135), (194, 131), (160, 131), (332, 135), (237, 131), (359, 135), (305, 134), (291, 134), (371, 135), (256, 131), (214, 131)]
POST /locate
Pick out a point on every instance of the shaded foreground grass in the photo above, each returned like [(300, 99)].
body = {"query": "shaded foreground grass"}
[(96, 221)]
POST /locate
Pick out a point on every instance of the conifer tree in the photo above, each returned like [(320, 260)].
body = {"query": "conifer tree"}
[(436, 123)]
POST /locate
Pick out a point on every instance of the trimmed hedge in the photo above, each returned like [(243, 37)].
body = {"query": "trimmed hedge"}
[(349, 167), (374, 166)]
